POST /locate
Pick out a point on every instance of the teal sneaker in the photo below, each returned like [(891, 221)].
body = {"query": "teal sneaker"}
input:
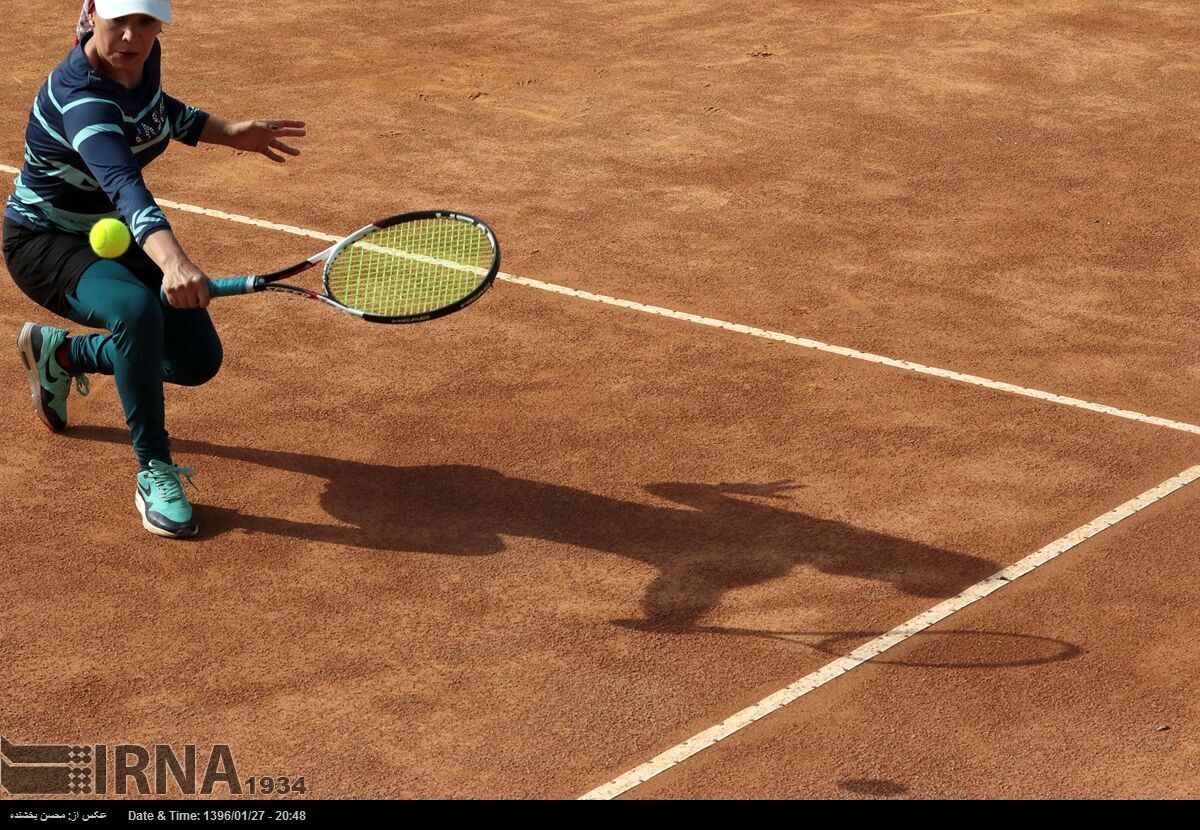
[(49, 383), (161, 501)]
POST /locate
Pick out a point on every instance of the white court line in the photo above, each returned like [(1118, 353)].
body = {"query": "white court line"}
[(906, 365), (680, 753), (921, 622), (805, 343)]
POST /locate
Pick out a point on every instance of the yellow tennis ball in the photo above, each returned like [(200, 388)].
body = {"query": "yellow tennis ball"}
[(109, 238)]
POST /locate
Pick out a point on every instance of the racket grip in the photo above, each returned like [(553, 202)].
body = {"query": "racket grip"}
[(229, 286), (225, 287)]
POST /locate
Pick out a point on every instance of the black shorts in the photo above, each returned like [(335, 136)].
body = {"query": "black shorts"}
[(47, 265)]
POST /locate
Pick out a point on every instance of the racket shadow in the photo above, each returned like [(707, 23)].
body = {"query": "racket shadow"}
[(711, 539), (936, 649)]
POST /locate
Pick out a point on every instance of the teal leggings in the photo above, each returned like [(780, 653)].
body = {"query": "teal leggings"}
[(149, 343)]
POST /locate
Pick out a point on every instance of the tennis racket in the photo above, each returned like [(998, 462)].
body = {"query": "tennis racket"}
[(405, 269)]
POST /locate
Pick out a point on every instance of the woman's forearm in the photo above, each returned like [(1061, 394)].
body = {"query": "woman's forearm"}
[(162, 247), (184, 284), (216, 131)]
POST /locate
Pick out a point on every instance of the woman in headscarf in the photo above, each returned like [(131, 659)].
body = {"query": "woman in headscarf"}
[(98, 120)]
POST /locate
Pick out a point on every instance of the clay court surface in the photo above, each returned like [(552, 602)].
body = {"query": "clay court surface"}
[(521, 550)]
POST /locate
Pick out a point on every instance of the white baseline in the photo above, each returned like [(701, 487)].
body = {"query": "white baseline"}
[(738, 328), (680, 753)]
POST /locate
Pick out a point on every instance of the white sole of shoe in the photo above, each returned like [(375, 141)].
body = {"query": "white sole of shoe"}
[(25, 350), (158, 531)]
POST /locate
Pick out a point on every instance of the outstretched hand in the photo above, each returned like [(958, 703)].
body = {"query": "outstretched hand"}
[(263, 137)]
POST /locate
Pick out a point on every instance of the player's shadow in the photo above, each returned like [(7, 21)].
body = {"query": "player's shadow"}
[(712, 539)]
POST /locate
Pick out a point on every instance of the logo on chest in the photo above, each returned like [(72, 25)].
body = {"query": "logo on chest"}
[(151, 126)]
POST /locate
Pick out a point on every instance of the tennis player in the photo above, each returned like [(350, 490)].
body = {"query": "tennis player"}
[(98, 120)]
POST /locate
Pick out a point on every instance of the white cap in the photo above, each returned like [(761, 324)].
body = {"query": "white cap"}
[(158, 9)]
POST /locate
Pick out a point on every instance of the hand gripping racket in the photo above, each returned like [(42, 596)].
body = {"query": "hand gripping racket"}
[(405, 269)]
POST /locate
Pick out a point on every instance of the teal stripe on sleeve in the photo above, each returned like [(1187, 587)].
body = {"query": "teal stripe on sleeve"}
[(50, 91), (83, 101), (77, 177), (87, 132), (153, 103), (37, 113), (24, 193), (144, 219)]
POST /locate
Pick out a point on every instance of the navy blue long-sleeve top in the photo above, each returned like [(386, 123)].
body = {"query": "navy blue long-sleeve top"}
[(86, 144)]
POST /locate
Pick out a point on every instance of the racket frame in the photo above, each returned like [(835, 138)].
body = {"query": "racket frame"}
[(270, 282)]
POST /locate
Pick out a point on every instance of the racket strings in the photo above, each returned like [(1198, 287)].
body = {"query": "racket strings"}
[(412, 268)]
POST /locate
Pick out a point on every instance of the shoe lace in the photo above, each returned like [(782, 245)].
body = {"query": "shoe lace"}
[(83, 385), (166, 478)]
